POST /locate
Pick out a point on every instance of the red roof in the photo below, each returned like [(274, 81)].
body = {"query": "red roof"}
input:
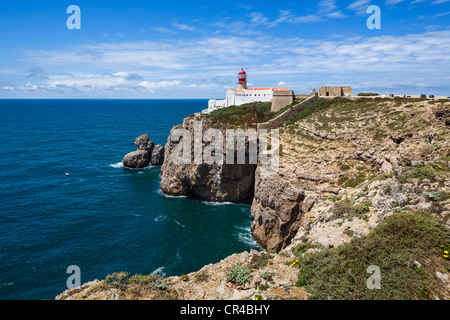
[(252, 89), (242, 71)]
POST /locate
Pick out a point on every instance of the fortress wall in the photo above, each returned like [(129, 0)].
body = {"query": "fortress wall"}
[(281, 99), (284, 117), (335, 91)]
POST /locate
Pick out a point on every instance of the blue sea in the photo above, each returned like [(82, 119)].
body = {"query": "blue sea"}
[(102, 218)]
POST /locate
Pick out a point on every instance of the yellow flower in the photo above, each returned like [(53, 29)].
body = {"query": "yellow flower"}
[(442, 245), (446, 252), (445, 256)]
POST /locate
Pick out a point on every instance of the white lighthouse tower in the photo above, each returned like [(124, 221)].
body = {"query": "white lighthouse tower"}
[(242, 80)]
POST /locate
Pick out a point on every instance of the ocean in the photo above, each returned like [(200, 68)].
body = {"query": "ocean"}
[(102, 218)]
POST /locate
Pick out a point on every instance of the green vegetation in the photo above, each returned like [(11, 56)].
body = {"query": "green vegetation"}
[(393, 246), (301, 282), (347, 209), (439, 101), (420, 172), (303, 247), (201, 276), (369, 94), (246, 115), (344, 209), (363, 207), (151, 286), (348, 181), (239, 275), (309, 110), (259, 260)]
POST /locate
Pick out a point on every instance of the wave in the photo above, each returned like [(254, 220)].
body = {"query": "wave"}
[(179, 223), (245, 236), (159, 271), (167, 195), (212, 203), (159, 218), (117, 165), (120, 165)]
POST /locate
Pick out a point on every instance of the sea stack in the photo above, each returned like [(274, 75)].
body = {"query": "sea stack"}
[(147, 153)]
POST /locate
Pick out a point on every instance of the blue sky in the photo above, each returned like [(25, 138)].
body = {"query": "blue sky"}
[(194, 49)]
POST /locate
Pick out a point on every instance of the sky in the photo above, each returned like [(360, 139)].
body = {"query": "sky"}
[(194, 49)]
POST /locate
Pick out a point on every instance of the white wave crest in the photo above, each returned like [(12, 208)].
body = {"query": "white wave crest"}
[(212, 203), (182, 225), (168, 196), (117, 165), (159, 271)]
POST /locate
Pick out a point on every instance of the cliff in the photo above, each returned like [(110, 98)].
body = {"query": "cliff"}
[(344, 143), (211, 182), (361, 182)]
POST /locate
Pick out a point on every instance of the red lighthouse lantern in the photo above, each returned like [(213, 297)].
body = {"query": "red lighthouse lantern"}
[(242, 79)]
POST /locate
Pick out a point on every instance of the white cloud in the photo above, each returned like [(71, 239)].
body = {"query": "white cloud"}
[(152, 86), (359, 6), (188, 64), (183, 27)]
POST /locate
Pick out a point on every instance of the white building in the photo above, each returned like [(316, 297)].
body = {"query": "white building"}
[(242, 95)]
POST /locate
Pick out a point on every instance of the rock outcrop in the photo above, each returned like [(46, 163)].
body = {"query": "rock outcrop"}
[(136, 160), (157, 158), (210, 182), (147, 153), (143, 142)]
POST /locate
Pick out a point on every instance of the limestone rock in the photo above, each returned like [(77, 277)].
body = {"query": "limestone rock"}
[(157, 156), (143, 142), (136, 160)]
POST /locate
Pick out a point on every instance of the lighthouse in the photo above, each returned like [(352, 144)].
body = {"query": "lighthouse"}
[(242, 80), (242, 95)]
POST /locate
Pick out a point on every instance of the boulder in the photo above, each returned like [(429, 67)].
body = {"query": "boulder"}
[(136, 159), (143, 142), (157, 156)]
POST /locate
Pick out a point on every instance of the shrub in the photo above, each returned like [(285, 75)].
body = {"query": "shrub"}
[(394, 245), (344, 209), (368, 94), (201, 276), (239, 275), (242, 116), (421, 173), (363, 207), (259, 261)]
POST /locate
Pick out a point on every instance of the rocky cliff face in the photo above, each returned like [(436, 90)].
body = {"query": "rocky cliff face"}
[(211, 182), (343, 144)]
